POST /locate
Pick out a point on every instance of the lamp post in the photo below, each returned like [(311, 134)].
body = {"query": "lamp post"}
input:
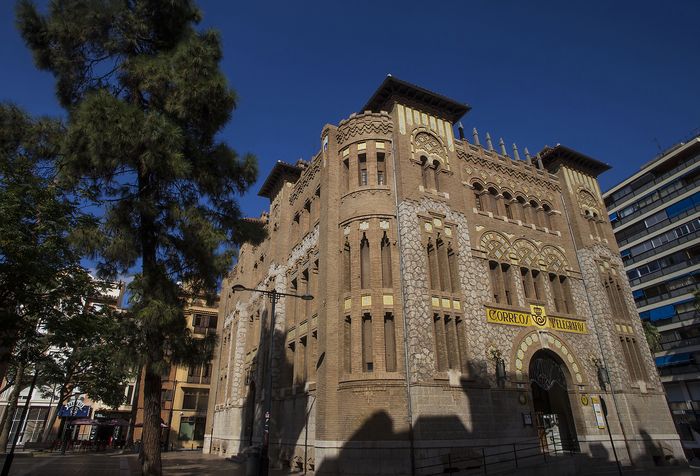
[(274, 296)]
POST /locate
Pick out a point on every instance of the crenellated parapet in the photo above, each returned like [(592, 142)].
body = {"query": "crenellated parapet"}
[(364, 126)]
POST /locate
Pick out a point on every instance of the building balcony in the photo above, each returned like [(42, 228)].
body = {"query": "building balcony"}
[(630, 263), (663, 272), (687, 289), (658, 203), (647, 232), (686, 164)]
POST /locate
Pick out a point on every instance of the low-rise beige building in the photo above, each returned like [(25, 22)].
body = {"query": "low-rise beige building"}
[(465, 298)]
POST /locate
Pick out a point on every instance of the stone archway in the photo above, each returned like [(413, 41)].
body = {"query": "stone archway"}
[(550, 400)]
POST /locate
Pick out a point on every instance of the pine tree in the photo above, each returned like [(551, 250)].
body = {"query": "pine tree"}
[(146, 100)]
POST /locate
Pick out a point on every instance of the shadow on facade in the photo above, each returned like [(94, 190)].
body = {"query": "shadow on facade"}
[(291, 429)]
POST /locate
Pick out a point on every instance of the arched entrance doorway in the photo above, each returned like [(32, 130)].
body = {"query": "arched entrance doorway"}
[(550, 399)]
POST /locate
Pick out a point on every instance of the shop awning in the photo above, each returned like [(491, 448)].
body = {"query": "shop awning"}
[(675, 359), (85, 421)]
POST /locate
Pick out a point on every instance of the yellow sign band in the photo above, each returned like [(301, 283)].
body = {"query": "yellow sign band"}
[(536, 319)]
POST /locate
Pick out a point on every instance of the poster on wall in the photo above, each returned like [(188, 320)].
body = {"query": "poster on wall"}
[(598, 410)]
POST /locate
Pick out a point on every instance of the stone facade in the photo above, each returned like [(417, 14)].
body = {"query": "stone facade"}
[(454, 286)]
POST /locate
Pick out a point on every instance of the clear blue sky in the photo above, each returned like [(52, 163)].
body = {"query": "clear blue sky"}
[(610, 79)]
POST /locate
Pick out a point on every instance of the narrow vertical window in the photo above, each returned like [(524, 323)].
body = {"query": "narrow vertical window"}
[(424, 172), (494, 274), (347, 267), (534, 213), (347, 344), (440, 344), (444, 268), (291, 303), (462, 343), (381, 169), (307, 290), (537, 284), (307, 217), (451, 343), (597, 225), (364, 263), (528, 286), (303, 358), (346, 175), (522, 207), (547, 217), (454, 271), (493, 201), (565, 284), (433, 266), (313, 350), (555, 285), (508, 205), (389, 342), (386, 262), (436, 175), (367, 360), (362, 169), (507, 283), (478, 197)]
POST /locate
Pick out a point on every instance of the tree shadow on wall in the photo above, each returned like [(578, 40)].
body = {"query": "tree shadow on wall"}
[(442, 439), (291, 439)]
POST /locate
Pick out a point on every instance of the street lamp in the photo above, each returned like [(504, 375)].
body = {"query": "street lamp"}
[(274, 296)]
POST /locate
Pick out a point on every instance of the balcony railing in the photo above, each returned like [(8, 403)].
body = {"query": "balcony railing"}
[(657, 180), (664, 271), (677, 344), (690, 288), (659, 202), (679, 370), (666, 246), (657, 226), (683, 316)]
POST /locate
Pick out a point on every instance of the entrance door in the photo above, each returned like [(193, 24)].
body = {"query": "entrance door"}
[(550, 399)]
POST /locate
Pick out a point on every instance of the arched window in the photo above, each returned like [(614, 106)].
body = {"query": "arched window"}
[(436, 174), (534, 213), (364, 263), (499, 274), (479, 196), (386, 262), (547, 217), (507, 205), (493, 201), (597, 223), (424, 171), (522, 206)]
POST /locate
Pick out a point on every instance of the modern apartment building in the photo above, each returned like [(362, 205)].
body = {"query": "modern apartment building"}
[(655, 215), (185, 389), (464, 298)]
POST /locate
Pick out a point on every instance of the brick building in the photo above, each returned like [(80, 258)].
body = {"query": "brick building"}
[(184, 388), (464, 298)]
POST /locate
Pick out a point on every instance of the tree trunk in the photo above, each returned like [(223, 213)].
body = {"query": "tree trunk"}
[(134, 410), (11, 407), (62, 395), (151, 464)]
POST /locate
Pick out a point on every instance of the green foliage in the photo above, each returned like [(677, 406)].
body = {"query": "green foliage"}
[(36, 258), (651, 332), (46, 322)]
